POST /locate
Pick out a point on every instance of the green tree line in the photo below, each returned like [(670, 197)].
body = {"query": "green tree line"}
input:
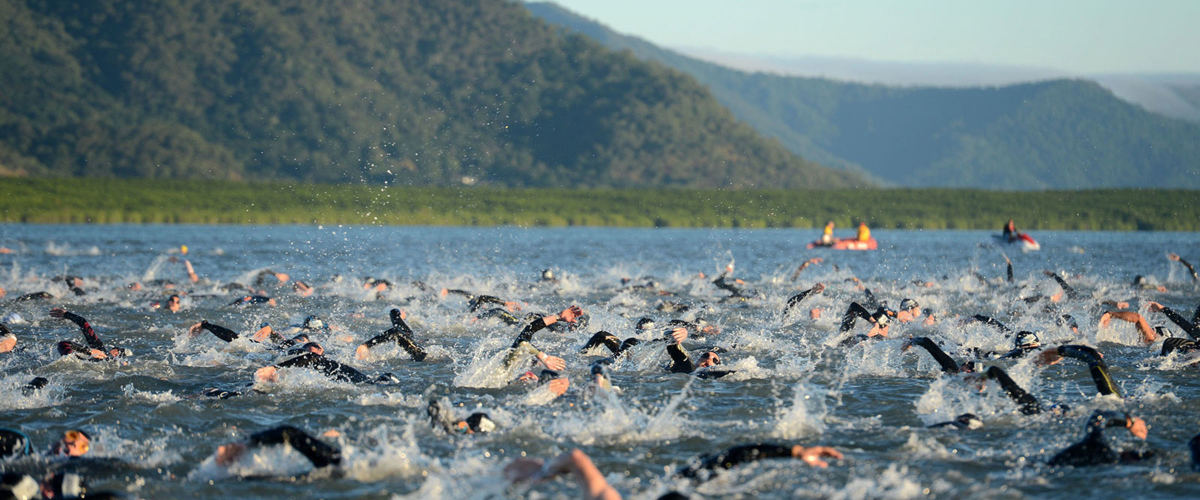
[(224, 202), (398, 91)]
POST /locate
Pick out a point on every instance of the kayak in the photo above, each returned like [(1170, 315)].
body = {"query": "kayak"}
[(1026, 241), (847, 244)]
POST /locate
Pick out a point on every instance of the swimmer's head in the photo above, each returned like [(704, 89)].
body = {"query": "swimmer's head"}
[(547, 275), (908, 304), (13, 318), (645, 324), (1027, 339), (74, 443), (969, 421), (479, 423), (313, 322)]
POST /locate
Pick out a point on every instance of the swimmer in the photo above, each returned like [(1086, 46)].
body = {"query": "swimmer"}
[(253, 299), (8, 340), (682, 363), (966, 421), (318, 453), (95, 349), (399, 333), (475, 423), (314, 359), (1094, 450), (522, 342), (264, 332), (705, 466)]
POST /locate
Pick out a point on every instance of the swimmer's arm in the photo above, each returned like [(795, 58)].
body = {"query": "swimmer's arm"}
[(1071, 293), (1177, 258), (316, 451), (219, 331), (680, 362), (85, 328), (1178, 319), (948, 364), (1029, 404)]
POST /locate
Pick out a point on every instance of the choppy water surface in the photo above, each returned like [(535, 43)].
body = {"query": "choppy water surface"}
[(793, 384)]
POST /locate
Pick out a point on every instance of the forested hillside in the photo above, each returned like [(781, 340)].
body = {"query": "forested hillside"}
[(1065, 134), (403, 92)]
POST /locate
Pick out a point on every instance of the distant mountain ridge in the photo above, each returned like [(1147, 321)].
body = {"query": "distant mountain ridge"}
[(397, 91), (1058, 134)]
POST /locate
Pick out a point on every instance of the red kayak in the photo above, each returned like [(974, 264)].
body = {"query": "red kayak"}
[(847, 244)]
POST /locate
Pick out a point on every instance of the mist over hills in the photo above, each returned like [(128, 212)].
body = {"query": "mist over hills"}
[(406, 92), (1053, 134)]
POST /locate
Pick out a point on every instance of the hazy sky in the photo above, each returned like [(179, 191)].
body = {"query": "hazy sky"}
[(1077, 36)]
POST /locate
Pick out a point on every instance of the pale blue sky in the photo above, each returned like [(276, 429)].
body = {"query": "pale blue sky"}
[(1077, 36)]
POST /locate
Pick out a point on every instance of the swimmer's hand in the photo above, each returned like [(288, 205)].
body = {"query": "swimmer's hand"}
[(58, 312), (229, 453), (813, 455), (678, 335), (1137, 427), (571, 314), (553, 363), (1154, 306), (1173, 256), (195, 329)]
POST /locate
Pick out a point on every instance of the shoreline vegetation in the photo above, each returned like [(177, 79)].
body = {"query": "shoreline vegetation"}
[(143, 201)]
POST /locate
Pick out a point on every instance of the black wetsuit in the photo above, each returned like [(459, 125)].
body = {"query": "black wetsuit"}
[(399, 333), (331, 369), (681, 363), (1192, 270), (1093, 450), (948, 365), (1096, 365), (708, 464), (66, 347), (1192, 328), (856, 311), (35, 296), (1179, 344), (794, 300), (315, 450), (1029, 404), (229, 335), (250, 299)]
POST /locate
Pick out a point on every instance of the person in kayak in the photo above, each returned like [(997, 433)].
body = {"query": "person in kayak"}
[(1010, 231), (864, 233)]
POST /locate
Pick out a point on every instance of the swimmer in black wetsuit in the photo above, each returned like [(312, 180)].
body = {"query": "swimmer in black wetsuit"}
[(947, 364), (880, 320), (522, 343), (95, 349), (966, 421), (328, 367), (1089, 355), (1093, 450), (705, 466), (476, 423), (681, 363), (733, 286), (399, 333), (264, 333), (319, 453), (253, 299)]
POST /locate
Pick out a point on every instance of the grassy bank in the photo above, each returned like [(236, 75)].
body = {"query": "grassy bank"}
[(210, 202)]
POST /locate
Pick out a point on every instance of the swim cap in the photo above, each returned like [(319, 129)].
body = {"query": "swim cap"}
[(907, 304), (645, 324), (13, 318), (479, 422), (547, 274), (1027, 339), (969, 420), (314, 323)]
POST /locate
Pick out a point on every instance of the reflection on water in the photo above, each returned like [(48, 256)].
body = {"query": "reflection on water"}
[(870, 400)]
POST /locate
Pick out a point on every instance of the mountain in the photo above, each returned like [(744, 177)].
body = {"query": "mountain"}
[(407, 92), (1059, 134)]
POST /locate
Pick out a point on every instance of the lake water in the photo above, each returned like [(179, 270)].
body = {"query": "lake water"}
[(154, 433)]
